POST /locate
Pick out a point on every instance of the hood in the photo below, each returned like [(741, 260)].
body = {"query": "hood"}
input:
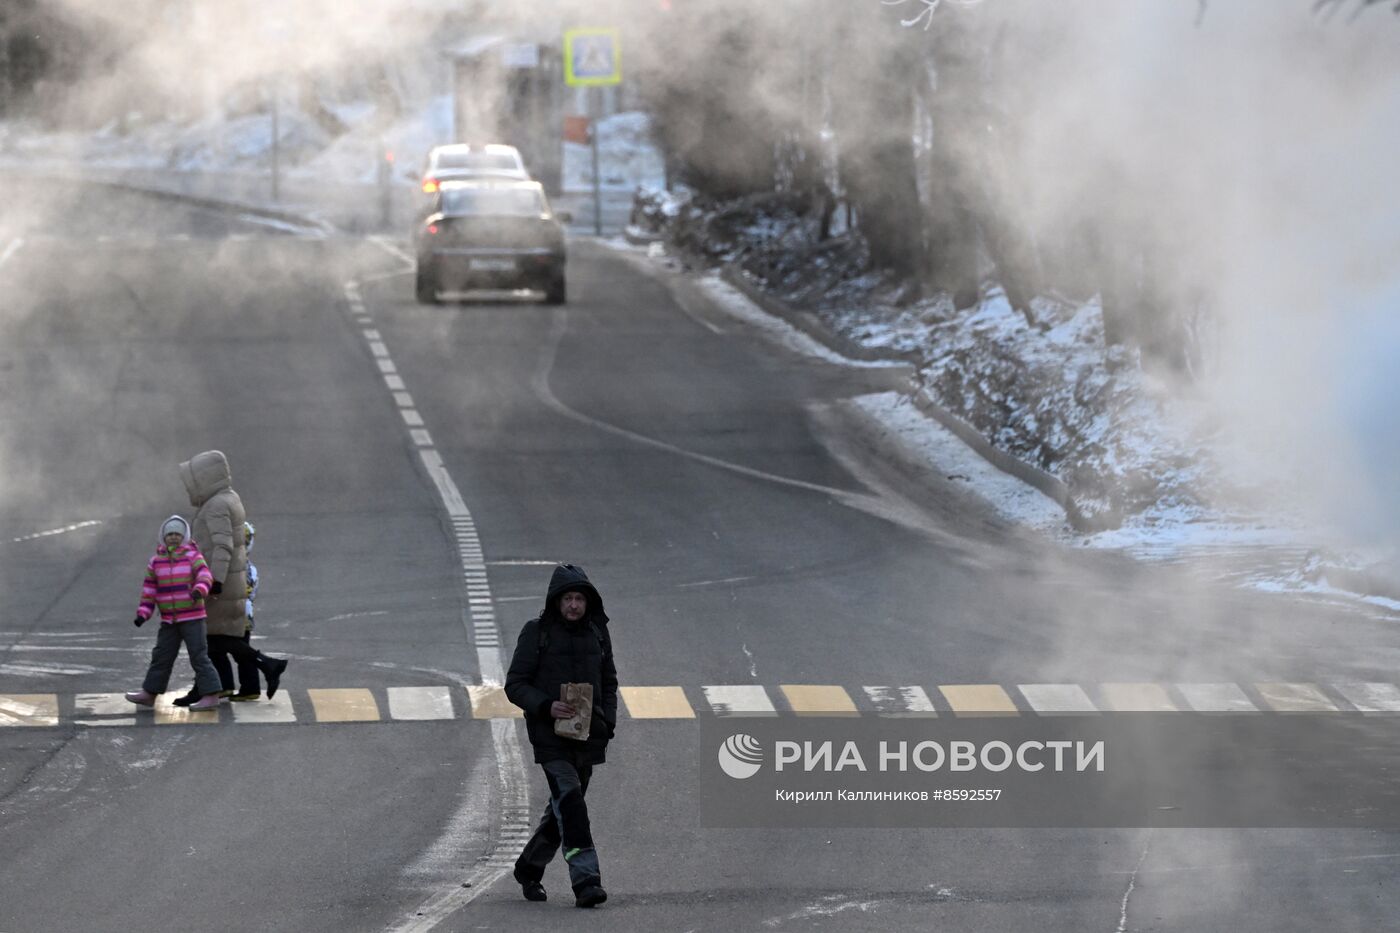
[(571, 577), (178, 519), (205, 474)]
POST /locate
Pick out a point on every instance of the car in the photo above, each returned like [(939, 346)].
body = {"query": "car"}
[(490, 234), (460, 161)]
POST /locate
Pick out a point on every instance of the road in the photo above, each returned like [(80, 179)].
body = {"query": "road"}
[(748, 533)]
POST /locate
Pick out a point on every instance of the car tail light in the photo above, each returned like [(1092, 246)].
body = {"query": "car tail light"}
[(432, 228), (430, 185)]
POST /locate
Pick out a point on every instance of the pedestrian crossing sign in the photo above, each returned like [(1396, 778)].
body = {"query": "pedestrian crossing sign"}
[(592, 57)]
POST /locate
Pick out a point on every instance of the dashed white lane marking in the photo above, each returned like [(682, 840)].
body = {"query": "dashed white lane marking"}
[(481, 628), (447, 490), (56, 531), (10, 249)]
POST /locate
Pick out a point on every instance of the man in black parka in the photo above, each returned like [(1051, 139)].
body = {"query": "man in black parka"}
[(567, 643)]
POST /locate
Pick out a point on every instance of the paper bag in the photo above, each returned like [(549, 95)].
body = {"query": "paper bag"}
[(580, 697)]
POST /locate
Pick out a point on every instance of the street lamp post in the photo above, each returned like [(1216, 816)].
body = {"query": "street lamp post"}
[(276, 134)]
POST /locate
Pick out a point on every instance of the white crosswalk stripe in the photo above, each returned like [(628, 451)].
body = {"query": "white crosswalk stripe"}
[(1048, 699), (739, 700)]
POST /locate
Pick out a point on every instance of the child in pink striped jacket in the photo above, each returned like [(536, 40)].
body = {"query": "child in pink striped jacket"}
[(177, 580)]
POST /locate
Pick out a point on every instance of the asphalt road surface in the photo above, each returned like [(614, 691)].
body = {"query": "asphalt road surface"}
[(413, 473)]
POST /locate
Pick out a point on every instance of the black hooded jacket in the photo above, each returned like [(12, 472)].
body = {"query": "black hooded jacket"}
[(577, 653)]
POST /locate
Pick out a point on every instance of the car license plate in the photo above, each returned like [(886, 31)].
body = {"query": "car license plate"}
[(493, 265)]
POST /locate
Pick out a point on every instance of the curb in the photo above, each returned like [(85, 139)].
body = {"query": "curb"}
[(284, 215), (1368, 582), (817, 329), (1052, 486), (220, 204), (811, 325)]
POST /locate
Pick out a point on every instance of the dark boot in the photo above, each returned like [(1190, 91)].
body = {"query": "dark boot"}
[(590, 896), (187, 699), (272, 673), (532, 889)]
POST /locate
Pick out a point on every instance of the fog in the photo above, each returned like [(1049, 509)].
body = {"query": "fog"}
[(1249, 144)]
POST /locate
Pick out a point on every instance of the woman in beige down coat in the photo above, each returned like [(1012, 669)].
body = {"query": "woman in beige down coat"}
[(218, 527)]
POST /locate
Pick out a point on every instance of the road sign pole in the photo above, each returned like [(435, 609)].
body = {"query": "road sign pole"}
[(276, 139), (592, 58), (594, 95)]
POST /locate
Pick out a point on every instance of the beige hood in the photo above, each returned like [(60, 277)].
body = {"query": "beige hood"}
[(205, 474)]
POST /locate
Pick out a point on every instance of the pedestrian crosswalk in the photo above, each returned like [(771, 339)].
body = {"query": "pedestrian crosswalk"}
[(673, 702)]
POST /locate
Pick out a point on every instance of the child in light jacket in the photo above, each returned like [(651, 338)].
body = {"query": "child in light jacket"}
[(177, 580)]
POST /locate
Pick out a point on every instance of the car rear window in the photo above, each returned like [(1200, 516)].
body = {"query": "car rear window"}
[(479, 161), (508, 201)]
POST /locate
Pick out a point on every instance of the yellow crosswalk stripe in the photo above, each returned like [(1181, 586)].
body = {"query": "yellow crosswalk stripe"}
[(656, 703), (1295, 698), (978, 700), (1138, 698), (819, 700), (352, 704), (1216, 698), (489, 702), (28, 709)]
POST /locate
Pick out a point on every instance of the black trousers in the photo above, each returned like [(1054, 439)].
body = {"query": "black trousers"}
[(564, 823), (250, 661)]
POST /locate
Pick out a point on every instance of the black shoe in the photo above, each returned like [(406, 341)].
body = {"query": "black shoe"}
[(187, 699), (273, 674), (533, 891), (590, 896)]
